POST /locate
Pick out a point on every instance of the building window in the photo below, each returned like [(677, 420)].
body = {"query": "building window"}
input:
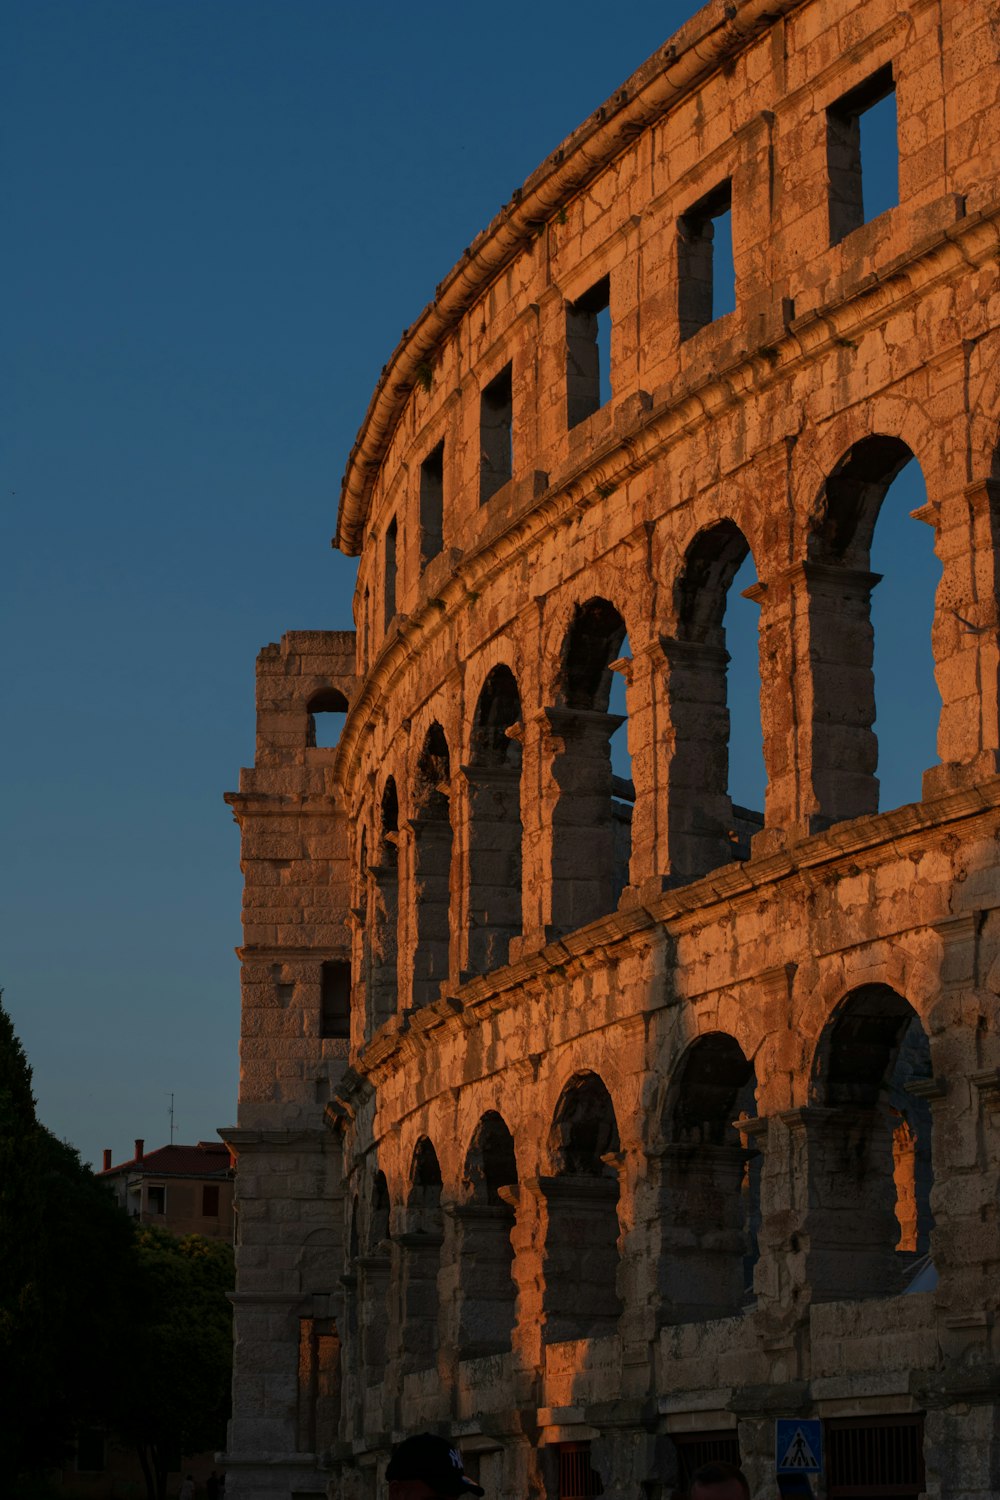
[(156, 1200), (578, 1479), (697, 1448), (209, 1201), (875, 1457), (432, 505), (862, 154), (327, 711), (391, 535), (588, 353), (335, 999), (496, 426), (706, 277)]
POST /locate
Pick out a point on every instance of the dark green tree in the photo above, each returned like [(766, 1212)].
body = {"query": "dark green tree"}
[(178, 1397), (67, 1266)]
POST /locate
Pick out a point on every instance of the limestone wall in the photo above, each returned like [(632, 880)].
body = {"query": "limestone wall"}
[(652, 1108)]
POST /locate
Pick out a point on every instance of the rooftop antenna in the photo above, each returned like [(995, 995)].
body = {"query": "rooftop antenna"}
[(170, 1112)]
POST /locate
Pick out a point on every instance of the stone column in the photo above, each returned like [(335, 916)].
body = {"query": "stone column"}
[(582, 830), (702, 1240), (538, 796), (487, 1293), (647, 717), (420, 1261), (581, 1261), (493, 861), (431, 936), (696, 770), (966, 636), (374, 1273), (845, 1224)]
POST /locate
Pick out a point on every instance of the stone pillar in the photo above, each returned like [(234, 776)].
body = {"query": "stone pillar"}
[(580, 1297), (843, 1220), (374, 1272), (351, 1363), (646, 718), (420, 1261), (538, 796), (582, 833), (966, 636), (485, 1291), (699, 813), (703, 1241), (432, 845), (527, 1237), (382, 980), (494, 836)]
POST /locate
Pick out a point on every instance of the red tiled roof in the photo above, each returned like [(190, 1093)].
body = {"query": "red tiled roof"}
[(207, 1159)]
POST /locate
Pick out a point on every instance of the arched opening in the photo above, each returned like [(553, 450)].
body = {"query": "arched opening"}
[(580, 1300), (494, 782), (592, 818), (870, 1167), (432, 844), (710, 1185), (327, 712), (486, 1257), (715, 752), (374, 1269), (876, 700), (383, 997), (420, 1247)]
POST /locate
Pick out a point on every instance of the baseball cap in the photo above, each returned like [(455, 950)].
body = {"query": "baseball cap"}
[(433, 1460)]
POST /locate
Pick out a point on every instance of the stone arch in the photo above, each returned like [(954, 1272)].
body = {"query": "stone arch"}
[(580, 1297), (420, 1255), (839, 583), (705, 830), (592, 817), (493, 776), (869, 1147), (432, 854), (383, 986), (486, 1289), (709, 1200)]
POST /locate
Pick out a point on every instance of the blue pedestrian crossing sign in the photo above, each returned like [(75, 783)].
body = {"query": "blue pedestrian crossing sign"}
[(798, 1445)]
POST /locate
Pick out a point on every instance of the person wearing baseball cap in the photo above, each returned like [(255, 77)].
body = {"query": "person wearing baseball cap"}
[(426, 1467)]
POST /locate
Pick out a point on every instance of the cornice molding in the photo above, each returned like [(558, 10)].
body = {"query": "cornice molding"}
[(970, 242), (673, 72), (396, 1044)]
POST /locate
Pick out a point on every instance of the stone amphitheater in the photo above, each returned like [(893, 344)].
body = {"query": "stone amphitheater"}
[(589, 1118)]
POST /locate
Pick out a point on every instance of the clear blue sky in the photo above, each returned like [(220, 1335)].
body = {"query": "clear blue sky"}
[(219, 216)]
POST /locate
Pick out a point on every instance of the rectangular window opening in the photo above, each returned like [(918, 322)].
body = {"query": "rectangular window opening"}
[(862, 154), (697, 1448), (588, 353), (706, 273), (209, 1200), (335, 999), (156, 1200), (390, 571), (878, 1458), (578, 1479), (432, 505), (496, 428)]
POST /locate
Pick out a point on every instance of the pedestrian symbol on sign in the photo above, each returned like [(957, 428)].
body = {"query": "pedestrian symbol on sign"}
[(798, 1446)]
